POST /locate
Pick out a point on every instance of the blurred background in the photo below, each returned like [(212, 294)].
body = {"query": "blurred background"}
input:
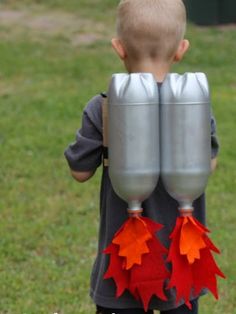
[(54, 56), (211, 12)]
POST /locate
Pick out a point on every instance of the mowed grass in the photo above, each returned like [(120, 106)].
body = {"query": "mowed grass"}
[(48, 222)]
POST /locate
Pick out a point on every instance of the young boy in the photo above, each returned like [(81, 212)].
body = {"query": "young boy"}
[(150, 38)]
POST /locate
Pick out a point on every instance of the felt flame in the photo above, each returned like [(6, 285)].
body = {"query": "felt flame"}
[(137, 260), (133, 241), (193, 266), (191, 239)]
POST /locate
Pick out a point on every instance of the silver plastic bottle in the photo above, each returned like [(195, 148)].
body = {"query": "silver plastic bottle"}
[(185, 136), (133, 116)]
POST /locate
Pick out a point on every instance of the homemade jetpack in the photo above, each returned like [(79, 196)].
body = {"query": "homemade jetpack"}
[(138, 260)]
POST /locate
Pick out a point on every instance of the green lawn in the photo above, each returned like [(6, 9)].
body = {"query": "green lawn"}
[(54, 56)]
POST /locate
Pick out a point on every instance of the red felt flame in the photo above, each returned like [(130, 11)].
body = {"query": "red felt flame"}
[(116, 270), (193, 266), (146, 276)]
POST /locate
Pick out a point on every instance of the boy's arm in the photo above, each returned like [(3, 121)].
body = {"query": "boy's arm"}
[(213, 164), (82, 176), (214, 145), (85, 154)]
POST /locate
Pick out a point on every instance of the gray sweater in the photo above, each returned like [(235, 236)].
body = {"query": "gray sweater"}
[(85, 154)]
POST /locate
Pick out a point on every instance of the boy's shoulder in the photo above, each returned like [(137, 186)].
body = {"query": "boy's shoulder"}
[(95, 103), (93, 110)]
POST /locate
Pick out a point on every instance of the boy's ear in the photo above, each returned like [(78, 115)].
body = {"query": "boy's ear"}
[(118, 47), (182, 49)]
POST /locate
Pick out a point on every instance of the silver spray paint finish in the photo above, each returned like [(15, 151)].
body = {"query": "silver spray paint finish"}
[(133, 115), (185, 136)]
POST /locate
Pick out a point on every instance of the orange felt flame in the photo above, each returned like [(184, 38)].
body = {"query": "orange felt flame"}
[(132, 240), (191, 239)]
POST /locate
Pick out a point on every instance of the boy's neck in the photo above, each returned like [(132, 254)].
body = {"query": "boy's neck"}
[(159, 70)]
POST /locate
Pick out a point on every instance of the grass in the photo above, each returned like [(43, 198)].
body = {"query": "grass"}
[(48, 223)]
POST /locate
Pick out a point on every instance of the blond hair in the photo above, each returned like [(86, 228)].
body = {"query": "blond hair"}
[(151, 28)]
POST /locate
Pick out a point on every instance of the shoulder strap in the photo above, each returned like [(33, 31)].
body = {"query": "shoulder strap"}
[(105, 129)]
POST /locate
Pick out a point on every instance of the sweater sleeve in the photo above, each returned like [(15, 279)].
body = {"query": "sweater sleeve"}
[(85, 154)]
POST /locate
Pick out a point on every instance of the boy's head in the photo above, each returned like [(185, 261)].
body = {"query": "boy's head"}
[(150, 29)]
